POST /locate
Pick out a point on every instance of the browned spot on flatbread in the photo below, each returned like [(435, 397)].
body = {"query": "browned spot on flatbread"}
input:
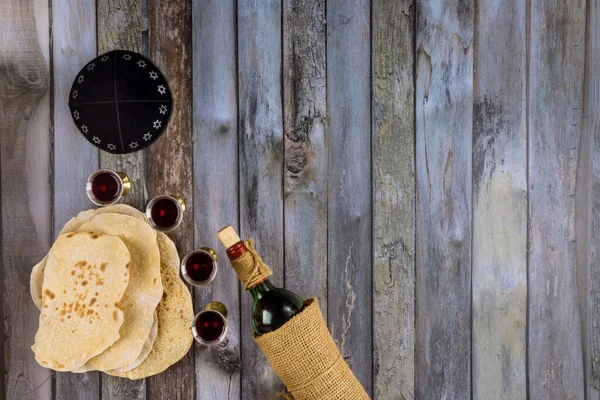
[(115, 315), (70, 235), (59, 365), (80, 264), (48, 293), (90, 312), (63, 312), (84, 283), (73, 273), (93, 235), (154, 280), (99, 282), (44, 363), (102, 267), (92, 301)]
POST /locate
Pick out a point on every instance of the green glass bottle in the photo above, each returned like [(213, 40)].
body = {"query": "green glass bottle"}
[(272, 306)]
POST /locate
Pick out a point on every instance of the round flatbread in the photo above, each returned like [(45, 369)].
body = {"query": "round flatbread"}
[(86, 275), (174, 337), (143, 292), (175, 314)]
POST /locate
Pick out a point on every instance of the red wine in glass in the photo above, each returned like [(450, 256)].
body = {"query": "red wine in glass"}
[(210, 325), (105, 187), (199, 267), (164, 213)]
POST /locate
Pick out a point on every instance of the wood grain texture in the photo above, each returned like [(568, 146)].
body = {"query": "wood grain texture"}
[(119, 28), (216, 179), (587, 210), (349, 184), (260, 167), (555, 364), (394, 200), (169, 159), (74, 44), (26, 194), (305, 174), (444, 115), (499, 201)]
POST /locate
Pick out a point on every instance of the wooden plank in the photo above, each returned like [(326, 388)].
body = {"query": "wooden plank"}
[(260, 167), (394, 200), (556, 73), (349, 184), (74, 44), (119, 28), (305, 174), (587, 209), (216, 178), (444, 115), (169, 159), (499, 201), (25, 167)]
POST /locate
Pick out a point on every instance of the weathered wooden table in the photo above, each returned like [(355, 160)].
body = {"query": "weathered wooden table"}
[(429, 170)]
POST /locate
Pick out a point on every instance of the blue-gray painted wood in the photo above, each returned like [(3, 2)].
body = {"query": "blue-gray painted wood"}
[(216, 179), (349, 183), (260, 167), (444, 116), (74, 44)]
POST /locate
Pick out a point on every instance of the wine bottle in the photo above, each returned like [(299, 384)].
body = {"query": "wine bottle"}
[(272, 306)]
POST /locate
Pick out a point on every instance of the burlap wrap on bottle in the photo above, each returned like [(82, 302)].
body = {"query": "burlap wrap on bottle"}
[(302, 351), (304, 355)]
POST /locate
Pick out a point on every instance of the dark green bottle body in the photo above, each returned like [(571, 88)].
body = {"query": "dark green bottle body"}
[(272, 307)]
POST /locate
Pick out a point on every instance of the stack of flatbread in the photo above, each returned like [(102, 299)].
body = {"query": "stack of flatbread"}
[(111, 298)]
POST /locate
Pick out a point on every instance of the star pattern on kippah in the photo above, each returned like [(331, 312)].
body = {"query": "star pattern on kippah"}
[(86, 120)]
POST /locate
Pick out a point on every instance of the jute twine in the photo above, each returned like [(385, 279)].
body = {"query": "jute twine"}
[(250, 268), (304, 355)]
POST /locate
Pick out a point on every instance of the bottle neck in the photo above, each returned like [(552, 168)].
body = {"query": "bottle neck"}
[(236, 250), (259, 290)]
